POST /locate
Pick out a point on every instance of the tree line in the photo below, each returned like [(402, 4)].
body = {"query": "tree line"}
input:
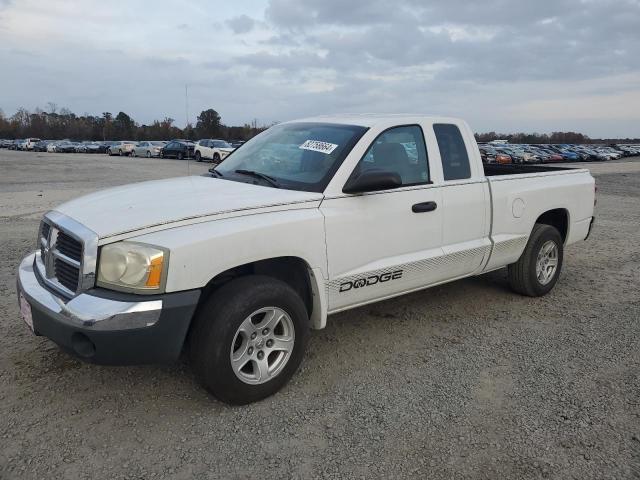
[(57, 124), (555, 137)]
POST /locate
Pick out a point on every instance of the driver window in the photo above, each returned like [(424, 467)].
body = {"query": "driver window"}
[(401, 150)]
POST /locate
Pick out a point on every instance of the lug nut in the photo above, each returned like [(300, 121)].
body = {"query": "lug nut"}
[(250, 351), (269, 343), (254, 335), (260, 355), (265, 331)]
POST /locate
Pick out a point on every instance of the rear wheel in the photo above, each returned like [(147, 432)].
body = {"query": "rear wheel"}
[(119, 152), (249, 338), (180, 156), (538, 268), (148, 154), (133, 153), (198, 156), (109, 152)]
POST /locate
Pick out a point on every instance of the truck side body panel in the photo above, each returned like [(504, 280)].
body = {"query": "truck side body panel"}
[(519, 200)]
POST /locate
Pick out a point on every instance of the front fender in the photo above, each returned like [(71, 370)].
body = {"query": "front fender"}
[(201, 251)]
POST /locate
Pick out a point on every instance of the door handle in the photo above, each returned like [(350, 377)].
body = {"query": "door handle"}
[(424, 207)]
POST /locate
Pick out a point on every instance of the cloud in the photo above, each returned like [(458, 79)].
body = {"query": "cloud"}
[(503, 64), (241, 24)]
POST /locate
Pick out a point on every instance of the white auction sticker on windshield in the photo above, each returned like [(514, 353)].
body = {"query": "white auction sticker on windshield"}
[(318, 146)]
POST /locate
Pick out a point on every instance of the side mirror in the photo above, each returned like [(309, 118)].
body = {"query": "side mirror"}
[(372, 180)]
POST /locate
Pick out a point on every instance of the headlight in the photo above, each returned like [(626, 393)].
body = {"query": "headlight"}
[(132, 266)]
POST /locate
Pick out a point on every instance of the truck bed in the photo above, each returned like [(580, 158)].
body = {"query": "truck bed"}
[(493, 169)]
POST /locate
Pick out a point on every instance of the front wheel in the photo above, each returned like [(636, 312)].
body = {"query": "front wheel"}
[(148, 154), (216, 158), (249, 338), (538, 268), (119, 153), (109, 152)]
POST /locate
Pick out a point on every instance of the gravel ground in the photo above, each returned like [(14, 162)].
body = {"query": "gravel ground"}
[(466, 380)]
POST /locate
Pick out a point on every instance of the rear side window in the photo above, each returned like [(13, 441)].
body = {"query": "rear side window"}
[(455, 161)]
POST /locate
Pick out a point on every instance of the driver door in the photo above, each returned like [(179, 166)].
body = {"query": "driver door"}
[(384, 243)]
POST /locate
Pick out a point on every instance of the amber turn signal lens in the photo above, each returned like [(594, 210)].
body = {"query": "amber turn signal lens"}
[(155, 272)]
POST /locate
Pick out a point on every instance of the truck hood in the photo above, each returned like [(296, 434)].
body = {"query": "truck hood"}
[(139, 206)]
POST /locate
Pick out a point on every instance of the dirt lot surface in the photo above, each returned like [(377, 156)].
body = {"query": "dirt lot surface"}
[(466, 380)]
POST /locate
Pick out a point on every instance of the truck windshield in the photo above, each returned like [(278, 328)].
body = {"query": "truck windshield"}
[(298, 156)]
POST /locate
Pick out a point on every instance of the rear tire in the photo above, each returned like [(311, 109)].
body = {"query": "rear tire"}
[(538, 268), (180, 156), (148, 154), (109, 152), (119, 153), (223, 328), (198, 157)]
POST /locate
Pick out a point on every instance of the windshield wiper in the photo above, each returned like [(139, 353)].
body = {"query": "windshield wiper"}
[(215, 172), (262, 176)]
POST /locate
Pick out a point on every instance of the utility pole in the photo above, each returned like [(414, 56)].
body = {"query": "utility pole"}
[(186, 104)]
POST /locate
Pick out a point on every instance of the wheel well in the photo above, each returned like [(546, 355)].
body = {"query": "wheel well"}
[(558, 218), (291, 270)]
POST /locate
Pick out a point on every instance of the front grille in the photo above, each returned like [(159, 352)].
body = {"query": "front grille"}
[(66, 274), (69, 246), (62, 257)]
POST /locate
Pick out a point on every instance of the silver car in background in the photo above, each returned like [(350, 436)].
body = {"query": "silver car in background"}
[(120, 147), (147, 149)]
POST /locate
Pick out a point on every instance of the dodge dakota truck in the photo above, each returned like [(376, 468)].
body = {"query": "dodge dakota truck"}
[(309, 218)]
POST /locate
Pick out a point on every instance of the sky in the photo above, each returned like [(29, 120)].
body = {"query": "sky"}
[(502, 65)]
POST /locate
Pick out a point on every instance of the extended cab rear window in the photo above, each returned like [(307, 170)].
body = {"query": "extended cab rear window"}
[(453, 151)]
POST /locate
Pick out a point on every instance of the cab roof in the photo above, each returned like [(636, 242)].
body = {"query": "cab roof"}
[(373, 119)]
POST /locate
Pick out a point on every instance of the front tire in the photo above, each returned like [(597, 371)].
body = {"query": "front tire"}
[(119, 153), (216, 158), (248, 339), (538, 268), (148, 154), (109, 152)]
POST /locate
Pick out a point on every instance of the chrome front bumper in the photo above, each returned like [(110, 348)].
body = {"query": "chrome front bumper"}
[(106, 327), (86, 310)]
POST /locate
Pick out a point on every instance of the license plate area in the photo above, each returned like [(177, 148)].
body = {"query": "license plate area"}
[(25, 311)]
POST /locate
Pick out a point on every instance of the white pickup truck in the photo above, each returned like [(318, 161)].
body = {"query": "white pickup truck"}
[(309, 218)]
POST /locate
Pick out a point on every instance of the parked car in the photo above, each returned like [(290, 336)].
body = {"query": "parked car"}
[(29, 143), (214, 150), (120, 147), (81, 147), (147, 149), (291, 216), (566, 154), (489, 155), (177, 149), (95, 147), (41, 146), (66, 147)]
